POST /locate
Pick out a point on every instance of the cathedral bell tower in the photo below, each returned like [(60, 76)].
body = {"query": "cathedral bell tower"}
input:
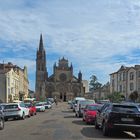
[(41, 71)]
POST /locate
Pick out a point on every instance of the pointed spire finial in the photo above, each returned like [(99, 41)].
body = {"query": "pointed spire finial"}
[(71, 65), (41, 43)]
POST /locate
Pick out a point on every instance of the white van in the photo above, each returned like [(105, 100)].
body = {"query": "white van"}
[(76, 99), (81, 106)]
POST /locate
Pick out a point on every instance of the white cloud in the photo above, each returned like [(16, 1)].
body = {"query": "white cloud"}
[(89, 33)]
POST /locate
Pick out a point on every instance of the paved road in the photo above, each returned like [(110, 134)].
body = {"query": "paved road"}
[(59, 123)]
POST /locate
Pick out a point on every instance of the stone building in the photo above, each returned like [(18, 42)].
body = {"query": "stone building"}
[(126, 80), (62, 83), (86, 86), (13, 83), (103, 92)]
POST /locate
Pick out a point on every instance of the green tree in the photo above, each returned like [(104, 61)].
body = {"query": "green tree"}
[(116, 97), (94, 84), (134, 96)]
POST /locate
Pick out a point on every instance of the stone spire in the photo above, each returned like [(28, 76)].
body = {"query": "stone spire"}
[(71, 66), (41, 46), (80, 76)]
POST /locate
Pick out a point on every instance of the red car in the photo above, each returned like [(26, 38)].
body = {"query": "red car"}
[(89, 113), (32, 108)]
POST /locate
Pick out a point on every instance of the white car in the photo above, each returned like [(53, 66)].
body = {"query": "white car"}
[(40, 107), (16, 111), (47, 105)]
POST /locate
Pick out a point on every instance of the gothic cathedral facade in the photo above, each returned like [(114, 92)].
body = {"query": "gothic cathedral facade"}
[(62, 83)]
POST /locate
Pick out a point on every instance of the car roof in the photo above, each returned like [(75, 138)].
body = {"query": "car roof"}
[(94, 105), (123, 104), (79, 98), (12, 104)]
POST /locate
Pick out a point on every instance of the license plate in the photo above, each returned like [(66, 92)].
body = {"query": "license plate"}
[(127, 119)]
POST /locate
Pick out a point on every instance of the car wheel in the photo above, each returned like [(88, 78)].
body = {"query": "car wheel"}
[(96, 124), (33, 113), (29, 115), (137, 134), (1, 124), (23, 116), (105, 129)]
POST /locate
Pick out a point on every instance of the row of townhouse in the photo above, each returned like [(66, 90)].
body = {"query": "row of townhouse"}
[(14, 83), (126, 80)]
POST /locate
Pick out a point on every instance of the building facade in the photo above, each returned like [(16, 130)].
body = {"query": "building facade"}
[(13, 83), (126, 80), (86, 86), (62, 83), (102, 93)]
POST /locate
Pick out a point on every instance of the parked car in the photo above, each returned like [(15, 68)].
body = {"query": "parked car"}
[(103, 101), (40, 107), (2, 105), (16, 111), (75, 101), (69, 101), (47, 105), (32, 108), (121, 117), (1, 119), (50, 99), (81, 104), (89, 113)]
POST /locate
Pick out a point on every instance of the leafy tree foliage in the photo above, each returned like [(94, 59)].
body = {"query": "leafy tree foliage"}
[(94, 84), (116, 97), (134, 96)]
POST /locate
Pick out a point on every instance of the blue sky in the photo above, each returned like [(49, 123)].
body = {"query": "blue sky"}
[(96, 36)]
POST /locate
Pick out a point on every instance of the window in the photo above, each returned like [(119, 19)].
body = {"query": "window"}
[(131, 76), (124, 77), (138, 85), (112, 82), (120, 77), (124, 88), (22, 104), (120, 88), (125, 109), (8, 81), (139, 74), (131, 86), (9, 91)]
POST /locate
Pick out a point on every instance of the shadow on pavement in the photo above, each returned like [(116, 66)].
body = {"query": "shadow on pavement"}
[(78, 122), (72, 116), (91, 132), (69, 111)]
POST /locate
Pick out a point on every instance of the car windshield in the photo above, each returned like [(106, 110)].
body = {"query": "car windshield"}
[(28, 105), (11, 106), (92, 108), (125, 109), (86, 102), (38, 105)]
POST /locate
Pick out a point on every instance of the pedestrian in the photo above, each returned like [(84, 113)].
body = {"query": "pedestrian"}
[(55, 100)]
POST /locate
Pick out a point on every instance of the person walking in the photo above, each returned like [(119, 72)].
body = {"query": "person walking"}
[(55, 100)]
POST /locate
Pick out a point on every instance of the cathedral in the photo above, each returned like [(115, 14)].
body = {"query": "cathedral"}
[(62, 83)]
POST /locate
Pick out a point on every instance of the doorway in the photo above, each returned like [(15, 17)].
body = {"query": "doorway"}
[(65, 98), (60, 95)]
